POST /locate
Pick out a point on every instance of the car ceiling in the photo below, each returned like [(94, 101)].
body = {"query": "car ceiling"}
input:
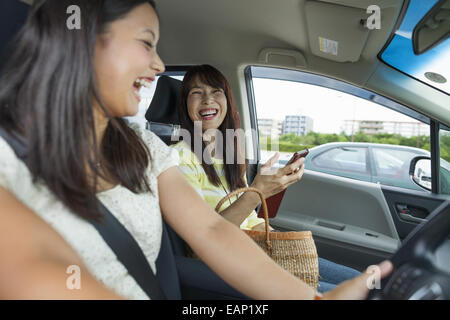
[(235, 31)]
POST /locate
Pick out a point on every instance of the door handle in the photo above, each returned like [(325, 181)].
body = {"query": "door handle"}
[(411, 213)]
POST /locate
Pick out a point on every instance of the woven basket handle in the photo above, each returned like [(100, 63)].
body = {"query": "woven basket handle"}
[(264, 207)]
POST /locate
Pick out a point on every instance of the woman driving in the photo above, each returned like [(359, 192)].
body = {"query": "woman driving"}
[(64, 92)]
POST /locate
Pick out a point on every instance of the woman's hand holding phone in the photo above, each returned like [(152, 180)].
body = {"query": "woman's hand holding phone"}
[(273, 180)]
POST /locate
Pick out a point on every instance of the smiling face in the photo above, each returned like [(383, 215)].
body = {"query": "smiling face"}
[(206, 104), (125, 59)]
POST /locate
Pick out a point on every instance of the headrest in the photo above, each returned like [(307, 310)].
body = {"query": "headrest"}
[(13, 14), (163, 108), (162, 114)]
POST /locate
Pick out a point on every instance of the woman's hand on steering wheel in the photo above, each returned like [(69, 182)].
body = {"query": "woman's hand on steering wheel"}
[(358, 287)]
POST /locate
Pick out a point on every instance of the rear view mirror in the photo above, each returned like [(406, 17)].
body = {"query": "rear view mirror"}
[(420, 171), (433, 28)]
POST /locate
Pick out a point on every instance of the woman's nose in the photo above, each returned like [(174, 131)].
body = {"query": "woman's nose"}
[(206, 98), (158, 65)]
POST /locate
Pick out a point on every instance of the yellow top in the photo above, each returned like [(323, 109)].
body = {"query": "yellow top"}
[(193, 171)]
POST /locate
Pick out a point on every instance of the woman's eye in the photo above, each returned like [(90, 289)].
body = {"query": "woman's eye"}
[(218, 91), (148, 44), (195, 92)]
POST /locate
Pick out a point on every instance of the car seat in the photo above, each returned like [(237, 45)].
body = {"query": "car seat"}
[(13, 14), (162, 115)]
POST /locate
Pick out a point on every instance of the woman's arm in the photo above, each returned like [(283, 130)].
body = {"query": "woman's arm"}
[(34, 258), (240, 209), (231, 253)]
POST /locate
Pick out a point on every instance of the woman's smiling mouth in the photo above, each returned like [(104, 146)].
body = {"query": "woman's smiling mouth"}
[(208, 114), (139, 83)]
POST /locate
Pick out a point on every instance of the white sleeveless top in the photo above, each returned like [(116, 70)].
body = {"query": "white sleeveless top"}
[(139, 213)]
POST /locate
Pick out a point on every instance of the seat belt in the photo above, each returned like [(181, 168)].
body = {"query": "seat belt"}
[(128, 252), (121, 242)]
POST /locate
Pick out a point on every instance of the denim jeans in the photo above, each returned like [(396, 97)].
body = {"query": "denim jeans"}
[(331, 274)]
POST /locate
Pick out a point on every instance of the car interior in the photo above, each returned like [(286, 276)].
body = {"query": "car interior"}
[(354, 223)]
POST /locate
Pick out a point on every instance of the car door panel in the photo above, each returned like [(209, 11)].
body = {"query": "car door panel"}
[(351, 255), (399, 199), (350, 219)]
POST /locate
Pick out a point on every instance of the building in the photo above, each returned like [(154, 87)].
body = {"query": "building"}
[(270, 127), (299, 125), (371, 127)]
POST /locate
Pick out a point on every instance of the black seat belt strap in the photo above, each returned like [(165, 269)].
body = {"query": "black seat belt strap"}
[(121, 242), (128, 252)]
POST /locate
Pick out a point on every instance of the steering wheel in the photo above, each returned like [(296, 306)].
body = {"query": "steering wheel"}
[(415, 275)]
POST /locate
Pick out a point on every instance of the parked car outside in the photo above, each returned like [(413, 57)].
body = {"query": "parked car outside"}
[(378, 163)]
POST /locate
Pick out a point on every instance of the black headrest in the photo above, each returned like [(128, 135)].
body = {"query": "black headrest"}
[(13, 14), (163, 108)]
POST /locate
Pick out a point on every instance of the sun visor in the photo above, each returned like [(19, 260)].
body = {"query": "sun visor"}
[(336, 32)]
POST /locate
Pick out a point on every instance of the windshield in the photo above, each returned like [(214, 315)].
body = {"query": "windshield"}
[(431, 67)]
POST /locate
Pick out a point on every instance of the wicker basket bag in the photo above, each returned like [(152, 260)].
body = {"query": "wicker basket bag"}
[(294, 251)]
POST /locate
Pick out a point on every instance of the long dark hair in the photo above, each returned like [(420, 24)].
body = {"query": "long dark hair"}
[(46, 90), (234, 172)]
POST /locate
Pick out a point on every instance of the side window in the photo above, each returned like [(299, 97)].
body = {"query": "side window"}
[(391, 163), (343, 159), (338, 122)]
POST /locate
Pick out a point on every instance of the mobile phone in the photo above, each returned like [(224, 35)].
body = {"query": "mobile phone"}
[(298, 155)]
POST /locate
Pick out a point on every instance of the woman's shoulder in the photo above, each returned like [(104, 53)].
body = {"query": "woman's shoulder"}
[(151, 140), (4, 147), (148, 136), (161, 156), (7, 155), (10, 167)]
